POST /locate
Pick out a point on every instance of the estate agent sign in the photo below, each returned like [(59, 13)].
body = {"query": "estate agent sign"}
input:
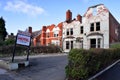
[(23, 38)]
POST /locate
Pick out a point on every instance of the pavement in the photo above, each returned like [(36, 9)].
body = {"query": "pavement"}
[(42, 67)]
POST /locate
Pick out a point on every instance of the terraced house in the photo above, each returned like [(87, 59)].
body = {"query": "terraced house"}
[(97, 28)]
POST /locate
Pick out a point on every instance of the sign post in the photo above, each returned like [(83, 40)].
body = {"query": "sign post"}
[(22, 38)]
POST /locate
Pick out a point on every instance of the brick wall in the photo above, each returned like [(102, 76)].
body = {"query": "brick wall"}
[(114, 29)]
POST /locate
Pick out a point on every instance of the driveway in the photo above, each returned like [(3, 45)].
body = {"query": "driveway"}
[(41, 68)]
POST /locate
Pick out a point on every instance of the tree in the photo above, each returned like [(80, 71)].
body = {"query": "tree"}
[(3, 32)]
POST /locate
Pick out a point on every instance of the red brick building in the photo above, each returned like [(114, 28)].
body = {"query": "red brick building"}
[(48, 35)]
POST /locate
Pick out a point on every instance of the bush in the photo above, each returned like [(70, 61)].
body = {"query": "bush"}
[(85, 63), (1, 43), (116, 45), (8, 50), (9, 42), (45, 49), (22, 50)]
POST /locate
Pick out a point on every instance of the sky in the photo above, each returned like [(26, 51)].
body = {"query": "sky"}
[(20, 14)]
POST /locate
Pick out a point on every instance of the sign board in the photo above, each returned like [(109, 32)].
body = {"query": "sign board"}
[(24, 33), (23, 40)]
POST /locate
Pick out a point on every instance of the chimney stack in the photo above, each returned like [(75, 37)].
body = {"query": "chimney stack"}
[(44, 28), (30, 30), (68, 16), (79, 18)]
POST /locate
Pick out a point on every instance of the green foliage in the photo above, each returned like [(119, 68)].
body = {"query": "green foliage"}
[(22, 50), (8, 50), (85, 63), (117, 45), (9, 42), (77, 67), (45, 49), (3, 32), (2, 43)]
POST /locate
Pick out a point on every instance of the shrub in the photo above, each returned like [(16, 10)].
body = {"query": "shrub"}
[(116, 45), (22, 50), (8, 50), (84, 63), (45, 49), (9, 42), (2, 43), (77, 68)]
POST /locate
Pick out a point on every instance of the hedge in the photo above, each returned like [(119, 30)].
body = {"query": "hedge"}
[(83, 64), (115, 45), (45, 49), (22, 50)]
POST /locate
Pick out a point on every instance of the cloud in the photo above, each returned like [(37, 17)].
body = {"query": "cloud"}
[(23, 7)]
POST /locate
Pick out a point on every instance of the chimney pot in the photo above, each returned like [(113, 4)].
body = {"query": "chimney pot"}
[(68, 16), (30, 30), (79, 18)]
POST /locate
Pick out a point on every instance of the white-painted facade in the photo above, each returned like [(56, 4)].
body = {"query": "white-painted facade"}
[(71, 31), (95, 33)]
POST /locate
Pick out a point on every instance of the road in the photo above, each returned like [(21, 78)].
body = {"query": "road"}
[(41, 68), (111, 74)]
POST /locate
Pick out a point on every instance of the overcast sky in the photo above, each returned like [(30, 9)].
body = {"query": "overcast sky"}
[(19, 14)]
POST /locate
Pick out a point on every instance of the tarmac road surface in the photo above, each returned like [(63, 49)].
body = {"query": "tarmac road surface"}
[(111, 74), (41, 68)]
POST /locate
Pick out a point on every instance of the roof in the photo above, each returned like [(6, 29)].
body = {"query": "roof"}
[(51, 27), (60, 25), (36, 33), (95, 6)]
